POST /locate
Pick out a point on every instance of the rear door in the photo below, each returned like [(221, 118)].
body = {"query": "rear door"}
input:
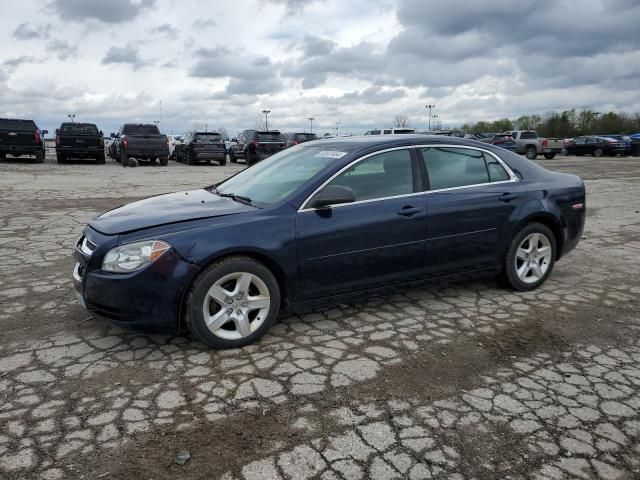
[(377, 240), (472, 198)]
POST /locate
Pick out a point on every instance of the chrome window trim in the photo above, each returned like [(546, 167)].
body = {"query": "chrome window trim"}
[(512, 176)]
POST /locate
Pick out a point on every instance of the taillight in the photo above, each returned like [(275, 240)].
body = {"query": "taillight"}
[(545, 142), (102, 142), (295, 142), (36, 137), (167, 143), (256, 143), (284, 144), (125, 142), (58, 140)]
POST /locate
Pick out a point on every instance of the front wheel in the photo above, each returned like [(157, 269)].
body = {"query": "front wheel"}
[(233, 158), (598, 152), (530, 258), (232, 303), (223, 162), (531, 153)]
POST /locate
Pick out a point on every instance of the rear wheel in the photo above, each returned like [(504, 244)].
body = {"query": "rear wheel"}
[(40, 157), (60, 158), (164, 161), (189, 159), (100, 160), (3, 156), (598, 152), (530, 258), (232, 303), (251, 158), (564, 152), (224, 160), (549, 156), (232, 158), (531, 153), (124, 160)]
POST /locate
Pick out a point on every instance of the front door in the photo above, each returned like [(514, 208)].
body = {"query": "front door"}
[(472, 197), (377, 240)]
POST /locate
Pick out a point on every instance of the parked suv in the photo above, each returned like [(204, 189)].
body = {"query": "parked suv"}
[(255, 145), (140, 141), (21, 137), (201, 146), (296, 138), (528, 143), (79, 140)]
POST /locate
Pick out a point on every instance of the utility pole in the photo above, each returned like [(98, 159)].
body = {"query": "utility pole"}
[(430, 106), (161, 115), (311, 119), (266, 118)]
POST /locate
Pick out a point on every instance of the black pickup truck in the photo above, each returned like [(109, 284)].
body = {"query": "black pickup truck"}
[(21, 137), (201, 147), (142, 142), (79, 140)]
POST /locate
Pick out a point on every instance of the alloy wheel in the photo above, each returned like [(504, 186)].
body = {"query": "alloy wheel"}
[(236, 305), (533, 258)]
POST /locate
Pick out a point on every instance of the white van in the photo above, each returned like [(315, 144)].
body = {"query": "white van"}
[(391, 131)]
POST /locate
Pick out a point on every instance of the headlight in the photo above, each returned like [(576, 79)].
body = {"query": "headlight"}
[(133, 256)]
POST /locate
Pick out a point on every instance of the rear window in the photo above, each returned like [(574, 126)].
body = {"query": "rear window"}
[(10, 124), (404, 130), (306, 137), (140, 130), (528, 135), (270, 137), (79, 128), (208, 137)]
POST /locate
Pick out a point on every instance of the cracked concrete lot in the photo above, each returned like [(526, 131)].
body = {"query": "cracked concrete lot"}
[(453, 381)]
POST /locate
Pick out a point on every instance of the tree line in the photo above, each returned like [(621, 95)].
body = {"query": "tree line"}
[(567, 124)]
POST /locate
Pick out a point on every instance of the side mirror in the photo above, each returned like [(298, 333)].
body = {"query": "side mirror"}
[(332, 195), (113, 135), (44, 132), (101, 134)]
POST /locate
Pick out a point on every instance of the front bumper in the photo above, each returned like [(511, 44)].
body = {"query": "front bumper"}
[(148, 300)]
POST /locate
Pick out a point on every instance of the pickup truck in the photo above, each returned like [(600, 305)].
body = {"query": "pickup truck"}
[(141, 142), (528, 143), (21, 137), (79, 140)]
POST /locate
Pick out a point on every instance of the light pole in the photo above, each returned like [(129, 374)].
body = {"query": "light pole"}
[(337, 129), (72, 116), (435, 118), (430, 106), (311, 119), (266, 118)]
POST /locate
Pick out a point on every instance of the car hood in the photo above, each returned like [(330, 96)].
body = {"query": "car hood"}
[(166, 209)]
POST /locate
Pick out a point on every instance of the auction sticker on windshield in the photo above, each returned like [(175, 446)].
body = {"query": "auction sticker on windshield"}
[(331, 154)]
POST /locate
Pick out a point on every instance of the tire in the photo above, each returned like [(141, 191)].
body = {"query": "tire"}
[(227, 274), (598, 152), (3, 156), (223, 162), (100, 160), (189, 160), (549, 156), (516, 259), (60, 158), (531, 153), (250, 158), (164, 161), (40, 157), (564, 152), (124, 160), (232, 158)]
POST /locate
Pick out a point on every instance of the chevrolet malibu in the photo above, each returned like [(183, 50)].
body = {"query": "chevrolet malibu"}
[(323, 221)]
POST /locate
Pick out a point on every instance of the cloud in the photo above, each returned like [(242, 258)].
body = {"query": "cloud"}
[(26, 31), (128, 55), (293, 6), (111, 11), (62, 49), (204, 23), (17, 61), (166, 29)]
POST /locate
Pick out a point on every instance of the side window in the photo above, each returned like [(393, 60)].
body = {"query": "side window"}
[(384, 175), (387, 132), (497, 173), (454, 167)]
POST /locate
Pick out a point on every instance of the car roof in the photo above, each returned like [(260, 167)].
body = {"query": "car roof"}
[(391, 141)]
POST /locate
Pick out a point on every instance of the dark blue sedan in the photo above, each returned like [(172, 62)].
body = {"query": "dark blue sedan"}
[(320, 222)]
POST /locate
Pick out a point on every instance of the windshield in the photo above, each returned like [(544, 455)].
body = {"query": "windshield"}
[(276, 177), (208, 137), (10, 124), (140, 130)]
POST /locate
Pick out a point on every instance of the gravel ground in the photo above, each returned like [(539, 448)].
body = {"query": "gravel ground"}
[(457, 381)]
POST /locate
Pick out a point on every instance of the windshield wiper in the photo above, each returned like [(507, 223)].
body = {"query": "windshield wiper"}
[(234, 197)]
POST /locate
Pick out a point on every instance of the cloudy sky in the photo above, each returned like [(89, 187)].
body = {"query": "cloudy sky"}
[(359, 62)]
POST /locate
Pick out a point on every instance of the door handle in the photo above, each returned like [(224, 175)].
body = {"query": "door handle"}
[(507, 197), (408, 211)]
